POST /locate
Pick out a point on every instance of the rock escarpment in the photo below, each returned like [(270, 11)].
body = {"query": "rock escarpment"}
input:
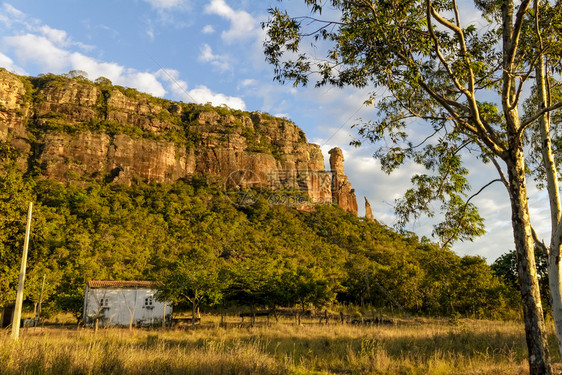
[(74, 129)]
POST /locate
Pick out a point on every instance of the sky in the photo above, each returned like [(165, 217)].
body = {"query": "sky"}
[(212, 51)]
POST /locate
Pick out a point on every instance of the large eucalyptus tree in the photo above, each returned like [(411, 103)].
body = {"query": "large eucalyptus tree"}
[(465, 82)]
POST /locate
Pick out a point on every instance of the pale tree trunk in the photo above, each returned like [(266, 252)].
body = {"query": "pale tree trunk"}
[(535, 329), (554, 271), (549, 164), (555, 284)]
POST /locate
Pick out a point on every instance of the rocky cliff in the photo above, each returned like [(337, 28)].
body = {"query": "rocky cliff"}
[(74, 129)]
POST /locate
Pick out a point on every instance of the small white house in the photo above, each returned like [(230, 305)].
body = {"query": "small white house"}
[(121, 303)]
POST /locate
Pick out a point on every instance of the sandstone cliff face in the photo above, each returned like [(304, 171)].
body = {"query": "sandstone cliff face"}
[(74, 129), (14, 111), (117, 159)]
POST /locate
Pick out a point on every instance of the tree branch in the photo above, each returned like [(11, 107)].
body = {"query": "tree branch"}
[(481, 133), (427, 138), (502, 175), (485, 130), (522, 80), (442, 20), (463, 210), (518, 24), (540, 243), (537, 115), (429, 12)]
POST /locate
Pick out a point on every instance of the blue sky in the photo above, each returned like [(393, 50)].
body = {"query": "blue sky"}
[(211, 51)]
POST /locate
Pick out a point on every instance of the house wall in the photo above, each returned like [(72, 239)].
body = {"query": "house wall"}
[(115, 307)]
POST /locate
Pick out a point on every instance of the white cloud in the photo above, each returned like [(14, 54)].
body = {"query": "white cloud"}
[(208, 29), (118, 74), (8, 63), (200, 94), (13, 12), (96, 68), (10, 15), (143, 81), (30, 48), (22, 24), (166, 4), (204, 95), (242, 24), (42, 52), (175, 84), (150, 30), (249, 82), (170, 12), (55, 36), (221, 62)]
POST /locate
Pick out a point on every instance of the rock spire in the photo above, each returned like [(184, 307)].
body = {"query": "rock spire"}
[(342, 193), (368, 211)]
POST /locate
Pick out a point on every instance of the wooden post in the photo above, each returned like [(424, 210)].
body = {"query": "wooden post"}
[(19, 296)]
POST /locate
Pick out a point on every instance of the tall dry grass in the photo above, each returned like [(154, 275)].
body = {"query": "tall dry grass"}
[(410, 347)]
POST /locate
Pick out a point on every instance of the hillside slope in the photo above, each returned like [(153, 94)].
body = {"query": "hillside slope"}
[(127, 186)]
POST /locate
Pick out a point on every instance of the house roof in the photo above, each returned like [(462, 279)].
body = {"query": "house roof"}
[(120, 284)]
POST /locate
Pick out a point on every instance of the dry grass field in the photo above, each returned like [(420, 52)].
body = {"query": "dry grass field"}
[(412, 346)]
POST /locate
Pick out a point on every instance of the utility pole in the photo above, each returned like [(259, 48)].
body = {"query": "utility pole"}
[(19, 296)]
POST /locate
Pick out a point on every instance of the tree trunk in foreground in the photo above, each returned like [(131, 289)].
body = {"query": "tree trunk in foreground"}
[(535, 330), (555, 284), (551, 173), (554, 271)]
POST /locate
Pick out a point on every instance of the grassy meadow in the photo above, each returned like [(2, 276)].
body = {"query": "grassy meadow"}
[(411, 346)]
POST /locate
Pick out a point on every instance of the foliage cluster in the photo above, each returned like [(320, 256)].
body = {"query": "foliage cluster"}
[(204, 248)]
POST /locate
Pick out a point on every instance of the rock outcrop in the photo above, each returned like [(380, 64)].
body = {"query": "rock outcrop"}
[(368, 210), (77, 130), (342, 193)]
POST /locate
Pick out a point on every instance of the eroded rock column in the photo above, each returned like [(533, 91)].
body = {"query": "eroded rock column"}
[(342, 193)]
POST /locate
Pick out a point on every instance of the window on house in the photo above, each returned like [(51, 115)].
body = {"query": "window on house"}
[(148, 301), (104, 302)]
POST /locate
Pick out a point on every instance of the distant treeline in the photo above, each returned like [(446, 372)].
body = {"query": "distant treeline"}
[(206, 250)]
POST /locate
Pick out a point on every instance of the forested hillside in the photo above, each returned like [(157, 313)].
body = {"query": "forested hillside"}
[(129, 187), (260, 255)]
